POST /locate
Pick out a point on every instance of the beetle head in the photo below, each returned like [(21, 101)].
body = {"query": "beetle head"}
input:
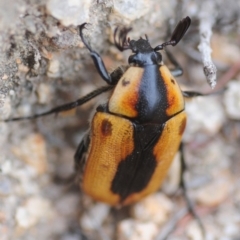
[(143, 53)]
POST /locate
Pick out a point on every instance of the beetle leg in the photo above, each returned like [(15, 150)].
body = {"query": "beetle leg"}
[(66, 106), (79, 155), (177, 71), (98, 62), (117, 73), (184, 188), (100, 66), (192, 94)]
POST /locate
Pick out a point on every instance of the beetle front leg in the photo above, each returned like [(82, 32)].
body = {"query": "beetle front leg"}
[(177, 71), (98, 62), (100, 66)]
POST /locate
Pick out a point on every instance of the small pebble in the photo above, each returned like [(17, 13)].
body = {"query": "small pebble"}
[(223, 50), (214, 193), (34, 210), (154, 208), (54, 68), (205, 115), (94, 218), (44, 93), (130, 10), (232, 100), (32, 150), (194, 231), (70, 12), (135, 230), (5, 186)]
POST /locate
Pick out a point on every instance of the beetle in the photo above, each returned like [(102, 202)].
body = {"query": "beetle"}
[(135, 135)]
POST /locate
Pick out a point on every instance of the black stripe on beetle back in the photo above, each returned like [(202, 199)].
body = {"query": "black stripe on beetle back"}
[(152, 97), (135, 171)]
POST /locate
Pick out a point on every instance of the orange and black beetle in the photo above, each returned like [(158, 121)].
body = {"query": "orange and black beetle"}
[(134, 136)]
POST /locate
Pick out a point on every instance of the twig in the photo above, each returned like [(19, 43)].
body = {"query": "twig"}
[(206, 21), (171, 225)]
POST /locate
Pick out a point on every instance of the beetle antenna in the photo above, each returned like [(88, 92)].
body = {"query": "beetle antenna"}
[(180, 30), (146, 36), (122, 43), (81, 27), (177, 34)]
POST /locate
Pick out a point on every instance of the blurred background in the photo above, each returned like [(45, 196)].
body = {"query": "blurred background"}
[(43, 64)]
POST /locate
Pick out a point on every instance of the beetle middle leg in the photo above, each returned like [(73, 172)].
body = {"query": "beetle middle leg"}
[(79, 155), (67, 106), (184, 188)]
